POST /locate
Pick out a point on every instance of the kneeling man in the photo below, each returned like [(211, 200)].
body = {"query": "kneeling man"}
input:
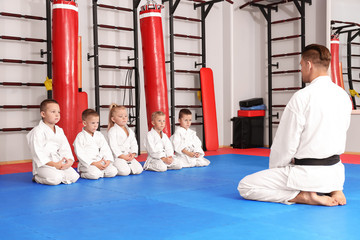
[(305, 166)]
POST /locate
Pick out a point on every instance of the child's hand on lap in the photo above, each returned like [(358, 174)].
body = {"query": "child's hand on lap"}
[(167, 160), (99, 164)]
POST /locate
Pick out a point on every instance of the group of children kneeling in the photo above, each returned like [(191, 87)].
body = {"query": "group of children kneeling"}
[(52, 156)]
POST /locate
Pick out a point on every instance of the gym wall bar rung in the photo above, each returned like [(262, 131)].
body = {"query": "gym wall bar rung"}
[(15, 129), (116, 86), (115, 8), (188, 106), (115, 27), (116, 47), (286, 72), (287, 89), (187, 71), (286, 54), (187, 19), (286, 20), (285, 38), (22, 61), (187, 89), (16, 15), (19, 106), (186, 36), (115, 67), (22, 84), (188, 54), (106, 126), (26, 39), (193, 123), (127, 106)]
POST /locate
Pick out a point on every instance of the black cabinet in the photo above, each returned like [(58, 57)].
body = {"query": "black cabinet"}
[(248, 132)]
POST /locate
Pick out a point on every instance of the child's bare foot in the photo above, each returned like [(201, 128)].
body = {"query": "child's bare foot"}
[(339, 197), (312, 198)]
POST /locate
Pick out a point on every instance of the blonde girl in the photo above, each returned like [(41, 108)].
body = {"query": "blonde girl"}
[(122, 142)]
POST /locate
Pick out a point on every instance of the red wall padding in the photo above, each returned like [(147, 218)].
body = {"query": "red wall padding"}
[(209, 109)]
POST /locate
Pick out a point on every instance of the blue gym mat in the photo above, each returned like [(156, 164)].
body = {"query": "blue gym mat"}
[(192, 203)]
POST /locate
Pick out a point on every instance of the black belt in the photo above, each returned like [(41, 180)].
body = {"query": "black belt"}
[(318, 161)]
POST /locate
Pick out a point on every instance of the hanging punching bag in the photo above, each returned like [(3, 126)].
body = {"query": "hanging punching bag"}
[(65, 66), (335, 71), (154, 62)]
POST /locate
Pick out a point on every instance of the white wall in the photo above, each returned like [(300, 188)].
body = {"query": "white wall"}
[(236, 51)]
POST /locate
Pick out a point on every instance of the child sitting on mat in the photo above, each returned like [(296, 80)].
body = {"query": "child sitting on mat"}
[(158, 146), (122, 142), (50, 149), (92, 149), (186, 144)]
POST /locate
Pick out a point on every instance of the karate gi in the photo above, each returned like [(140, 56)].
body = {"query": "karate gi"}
[(158, 147), (45, 146), (187, 139), (313, 125), (91, 149), (120, 144)]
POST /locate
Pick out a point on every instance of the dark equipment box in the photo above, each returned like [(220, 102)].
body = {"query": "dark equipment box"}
[(248, 132), (251, 102)]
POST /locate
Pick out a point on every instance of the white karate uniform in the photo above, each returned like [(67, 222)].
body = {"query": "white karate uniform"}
[(158, 147), (313, 125), (91, 149), (45, 146), (120, 144), (187, 139)]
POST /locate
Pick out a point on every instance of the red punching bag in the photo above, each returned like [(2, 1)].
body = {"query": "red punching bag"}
[(335, 71), (65, 66), (154, 62)]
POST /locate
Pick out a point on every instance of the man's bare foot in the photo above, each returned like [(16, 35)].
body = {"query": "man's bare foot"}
[(339, 197), (312, 198)]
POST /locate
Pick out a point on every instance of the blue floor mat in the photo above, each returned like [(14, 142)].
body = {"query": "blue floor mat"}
[(193, 203)]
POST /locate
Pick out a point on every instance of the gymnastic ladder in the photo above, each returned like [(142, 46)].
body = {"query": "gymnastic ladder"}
[(352, 31), (131, 88), (9, 62), (205, 7), (266, 10)]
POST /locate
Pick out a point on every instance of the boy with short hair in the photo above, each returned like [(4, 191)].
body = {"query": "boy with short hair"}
[(160, 151), (50, 149), (92, 150), (186, 144)]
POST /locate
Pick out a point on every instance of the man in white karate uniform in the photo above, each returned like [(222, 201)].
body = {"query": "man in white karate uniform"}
[(304, 158), (50, 149)]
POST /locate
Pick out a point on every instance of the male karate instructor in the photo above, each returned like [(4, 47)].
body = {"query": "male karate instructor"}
[(305, 166)]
